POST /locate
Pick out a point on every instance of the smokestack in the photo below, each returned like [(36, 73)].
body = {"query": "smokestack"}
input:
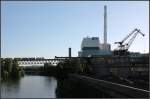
[(69, 53), (105, 24)]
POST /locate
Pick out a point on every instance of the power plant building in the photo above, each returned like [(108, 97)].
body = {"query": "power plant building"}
[(91, 46)]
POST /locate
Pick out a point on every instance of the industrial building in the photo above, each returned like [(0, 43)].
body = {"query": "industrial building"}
[(91, 46), (126, 66)]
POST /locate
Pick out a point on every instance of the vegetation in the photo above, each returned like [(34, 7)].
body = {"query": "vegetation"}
[(50, 69), (62, 69), (10, 69), (78, 66)]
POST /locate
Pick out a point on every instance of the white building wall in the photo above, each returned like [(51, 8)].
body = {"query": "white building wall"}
[(90, 42)]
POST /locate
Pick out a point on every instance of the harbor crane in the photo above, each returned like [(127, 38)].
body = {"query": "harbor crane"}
[(123, 47)]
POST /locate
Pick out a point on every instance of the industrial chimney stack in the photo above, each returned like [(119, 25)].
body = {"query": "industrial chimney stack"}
[(69, 53), (105, 25), (105, 46)]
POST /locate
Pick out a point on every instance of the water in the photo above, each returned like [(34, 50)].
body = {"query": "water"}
[(29, 87)]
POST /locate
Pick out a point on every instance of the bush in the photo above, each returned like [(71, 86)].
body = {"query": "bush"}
[(10, 68)]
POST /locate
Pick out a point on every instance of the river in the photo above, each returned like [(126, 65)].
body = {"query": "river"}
[(29, 87)]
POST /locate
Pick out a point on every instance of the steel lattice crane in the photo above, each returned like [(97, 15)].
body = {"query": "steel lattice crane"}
[(123, 47)]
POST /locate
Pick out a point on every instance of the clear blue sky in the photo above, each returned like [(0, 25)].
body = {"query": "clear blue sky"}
[(47, 29)]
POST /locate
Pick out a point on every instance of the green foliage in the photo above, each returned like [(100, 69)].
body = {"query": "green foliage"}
[(50, 69), (69, 66), (15, 69), (80, 66), (8, 65), (85, 66), (5, 75), (10, 68)]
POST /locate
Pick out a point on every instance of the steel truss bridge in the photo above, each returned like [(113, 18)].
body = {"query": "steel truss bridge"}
[(31, 61), (56, 60), (52, 61)]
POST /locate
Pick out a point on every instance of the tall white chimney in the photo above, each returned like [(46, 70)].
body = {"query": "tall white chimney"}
[(105, 25)]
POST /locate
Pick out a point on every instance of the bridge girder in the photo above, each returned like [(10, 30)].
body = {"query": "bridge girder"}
[(51, 61)]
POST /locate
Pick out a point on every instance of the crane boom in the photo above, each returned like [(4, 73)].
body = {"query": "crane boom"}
[(123, 48), (126, 37), (132, 39)]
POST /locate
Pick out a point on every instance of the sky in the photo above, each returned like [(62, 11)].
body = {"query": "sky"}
[(48, 28)]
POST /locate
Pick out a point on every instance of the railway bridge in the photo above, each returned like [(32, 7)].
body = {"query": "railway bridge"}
[(31, 61)]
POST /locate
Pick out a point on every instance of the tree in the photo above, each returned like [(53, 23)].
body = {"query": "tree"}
[(8, 65), (10, 68), (50, 69), (15, 69)]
